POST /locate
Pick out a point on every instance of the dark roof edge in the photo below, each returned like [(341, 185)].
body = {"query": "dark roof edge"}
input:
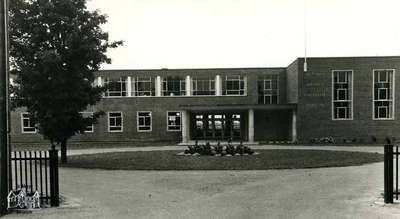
[(186, 69), (247, 68), (347, 57)]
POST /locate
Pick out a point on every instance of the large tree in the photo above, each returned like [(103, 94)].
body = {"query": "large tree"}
[(55, 48)]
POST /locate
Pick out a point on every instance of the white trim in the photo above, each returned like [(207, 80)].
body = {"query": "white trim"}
[(338, 94), (22, 124), (386, 90), (91, 113), (128, 86), (389, 100), (351, 113), (218, 85), (157, 86), (122, 121), (271, 90), (188, 86), (148, 79), (235, 78), (122, 81), (180, 126), (194, 84), (338, 111), (137, 121)]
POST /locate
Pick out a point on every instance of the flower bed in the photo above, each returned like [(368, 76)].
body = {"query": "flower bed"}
[(218, 150)]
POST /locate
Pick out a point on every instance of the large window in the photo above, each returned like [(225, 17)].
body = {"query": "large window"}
[(383, 106), (144, 121), (234, 85), (268, 89), (143, 86), (116, 87), (173, 86), (27, 125), (203, 86), (342, 97), (89, 128), (115, 122), (174, 121)]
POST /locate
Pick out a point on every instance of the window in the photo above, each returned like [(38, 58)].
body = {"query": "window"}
[(89, 128), (144, 121), (116, 87), (174, 121), (342, 94), (27, 125), (143, 86), (115, 122), (383, 94), (268, 89), (173, 86), (203, 86), (234, 85)]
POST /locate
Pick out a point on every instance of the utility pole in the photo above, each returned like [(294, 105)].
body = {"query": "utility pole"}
[(4, 146)]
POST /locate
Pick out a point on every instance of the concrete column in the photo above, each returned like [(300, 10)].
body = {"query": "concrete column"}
[(251, 126), (294, 126), (158, 86), (185, 127), (188, 86), (218, 85), (129, 86)]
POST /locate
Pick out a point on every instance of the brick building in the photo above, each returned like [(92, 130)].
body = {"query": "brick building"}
[(348, 98)]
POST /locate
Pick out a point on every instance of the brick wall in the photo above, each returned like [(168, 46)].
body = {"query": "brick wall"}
[(315, 95), (157, 105)]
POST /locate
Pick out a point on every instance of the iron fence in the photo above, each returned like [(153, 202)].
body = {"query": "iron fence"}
[(36, 171), (391, 173)]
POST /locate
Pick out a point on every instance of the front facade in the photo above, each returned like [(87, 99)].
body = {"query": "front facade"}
[(350, 99)]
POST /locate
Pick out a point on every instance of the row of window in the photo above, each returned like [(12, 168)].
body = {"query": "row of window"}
[(383, 94), (173, 86), (268, 87), (116, 122)]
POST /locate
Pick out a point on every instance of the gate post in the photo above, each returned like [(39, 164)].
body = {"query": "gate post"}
[(388, 174), (4, 107), (54, 185)]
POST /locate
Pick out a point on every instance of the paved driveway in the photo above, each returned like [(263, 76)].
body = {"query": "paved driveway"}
[(344, 192)]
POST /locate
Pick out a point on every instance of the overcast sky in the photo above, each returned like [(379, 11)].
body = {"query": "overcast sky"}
[(246, 33)]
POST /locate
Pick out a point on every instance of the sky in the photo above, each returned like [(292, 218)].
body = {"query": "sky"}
[(246, 33)]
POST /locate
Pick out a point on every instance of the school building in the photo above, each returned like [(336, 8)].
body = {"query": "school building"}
[(351, 99)]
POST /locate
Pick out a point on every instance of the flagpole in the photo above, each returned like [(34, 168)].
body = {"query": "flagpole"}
[(305, 36), (4, 78)]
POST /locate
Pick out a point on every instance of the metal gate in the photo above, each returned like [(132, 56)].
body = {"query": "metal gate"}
[(36, 171)]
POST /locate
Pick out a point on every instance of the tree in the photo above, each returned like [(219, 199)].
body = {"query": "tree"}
[(55, 48)]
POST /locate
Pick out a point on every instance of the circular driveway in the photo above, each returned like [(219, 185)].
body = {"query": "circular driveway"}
[(344, 192)]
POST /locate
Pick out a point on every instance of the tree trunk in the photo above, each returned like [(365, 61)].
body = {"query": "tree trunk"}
[(64, 151)]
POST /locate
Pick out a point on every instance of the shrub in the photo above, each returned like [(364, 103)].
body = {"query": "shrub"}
[(209, 150), (219, 148), (230, 149)]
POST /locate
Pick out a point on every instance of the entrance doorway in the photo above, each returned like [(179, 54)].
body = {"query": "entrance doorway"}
[(217, 126)]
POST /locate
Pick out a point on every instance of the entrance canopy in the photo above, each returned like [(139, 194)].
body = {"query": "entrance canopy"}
[(218, 107)]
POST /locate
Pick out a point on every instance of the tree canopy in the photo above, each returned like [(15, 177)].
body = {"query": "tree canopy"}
[(55, 47)]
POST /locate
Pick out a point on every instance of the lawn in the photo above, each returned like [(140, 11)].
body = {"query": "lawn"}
[(267, 159)]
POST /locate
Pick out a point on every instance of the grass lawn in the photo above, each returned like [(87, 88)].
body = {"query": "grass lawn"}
[(267, 159)]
